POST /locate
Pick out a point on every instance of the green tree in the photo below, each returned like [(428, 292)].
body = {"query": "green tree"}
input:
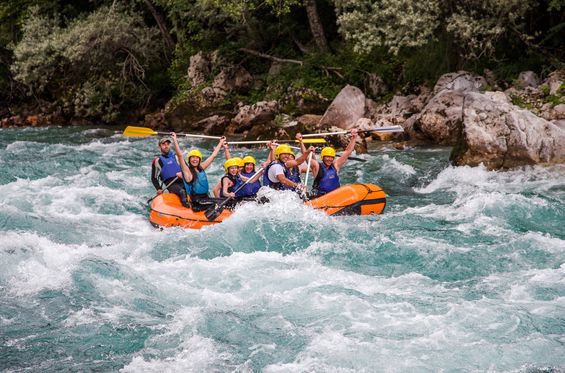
[(95, 67), (477, 28), (242, 10)]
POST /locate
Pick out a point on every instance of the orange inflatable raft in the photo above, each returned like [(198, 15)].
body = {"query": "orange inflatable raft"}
[(352, 199)]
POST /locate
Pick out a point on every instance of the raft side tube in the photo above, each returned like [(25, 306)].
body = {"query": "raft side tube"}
[(352, 199), (167, 211)]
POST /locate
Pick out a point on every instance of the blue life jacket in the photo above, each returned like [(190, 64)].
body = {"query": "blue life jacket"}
[(326, 181), (294, 176), (170, 166), (277, 184), (199, 184), (237, 182), (273, 184), (250, 189)]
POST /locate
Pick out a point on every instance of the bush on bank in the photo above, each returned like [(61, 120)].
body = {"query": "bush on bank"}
[(95, 67)]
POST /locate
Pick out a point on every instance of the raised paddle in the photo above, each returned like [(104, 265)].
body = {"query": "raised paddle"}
[(215, 211), (133, 131), (379, 129), (166, 187), (306, 141), (339, 155), (305, 192)]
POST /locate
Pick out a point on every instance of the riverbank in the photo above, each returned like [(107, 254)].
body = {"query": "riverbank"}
[(461, 110)]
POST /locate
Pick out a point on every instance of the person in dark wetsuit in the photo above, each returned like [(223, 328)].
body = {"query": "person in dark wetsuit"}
[(326, 173), (194, 175), (166, 172)]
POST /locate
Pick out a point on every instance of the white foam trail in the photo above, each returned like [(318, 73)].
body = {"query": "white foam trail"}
[(465, 179), (476, 204), (37, 263)]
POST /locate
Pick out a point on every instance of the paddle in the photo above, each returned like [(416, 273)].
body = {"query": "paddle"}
[(214, 212), (166, 187), (132, 131), (306, 141), (380, 129), (305, 191), (339, 155)]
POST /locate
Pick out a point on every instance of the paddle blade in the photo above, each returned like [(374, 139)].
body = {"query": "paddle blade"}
[(132, 131), (306, 141), (212, 213)]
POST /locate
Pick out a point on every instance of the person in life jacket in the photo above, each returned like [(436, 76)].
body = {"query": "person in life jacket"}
[(231, 181), (252, 187), (218, 187), (278, 175), (326, 172), (246, 170), (166, 171), (194, 175)]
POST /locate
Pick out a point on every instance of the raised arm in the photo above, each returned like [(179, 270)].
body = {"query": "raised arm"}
[(304, 156), (187, 175), (347, 152), (314, 167), (217, 149), (302, 146), (272, 145), (227, 151)]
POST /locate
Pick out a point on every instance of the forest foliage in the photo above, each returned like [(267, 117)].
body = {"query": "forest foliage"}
[(105, 60)]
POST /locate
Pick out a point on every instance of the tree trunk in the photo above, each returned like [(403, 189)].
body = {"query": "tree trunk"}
[(316, 25), (169, 42)]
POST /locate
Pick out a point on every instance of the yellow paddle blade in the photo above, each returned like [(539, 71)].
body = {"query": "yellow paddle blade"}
[(133, 131), (313, 141)]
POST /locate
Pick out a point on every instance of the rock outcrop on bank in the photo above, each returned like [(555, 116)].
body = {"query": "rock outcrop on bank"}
[(522, 125), (485, 127), (500, 135)]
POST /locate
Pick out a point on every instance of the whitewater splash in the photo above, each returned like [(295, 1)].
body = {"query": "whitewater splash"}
[(464, 270)]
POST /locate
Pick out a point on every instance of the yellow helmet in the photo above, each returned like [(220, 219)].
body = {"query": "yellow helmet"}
[(283, 149), (231, 162), (328, 151), (194, 153), (249, 159), (239, 162)]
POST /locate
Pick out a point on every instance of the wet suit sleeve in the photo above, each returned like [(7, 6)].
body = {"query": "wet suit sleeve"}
[(156, 166)]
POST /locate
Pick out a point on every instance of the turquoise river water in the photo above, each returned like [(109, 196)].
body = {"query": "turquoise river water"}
[(464, 271)]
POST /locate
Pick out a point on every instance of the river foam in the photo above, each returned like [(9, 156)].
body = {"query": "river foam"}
[(464, 270)]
